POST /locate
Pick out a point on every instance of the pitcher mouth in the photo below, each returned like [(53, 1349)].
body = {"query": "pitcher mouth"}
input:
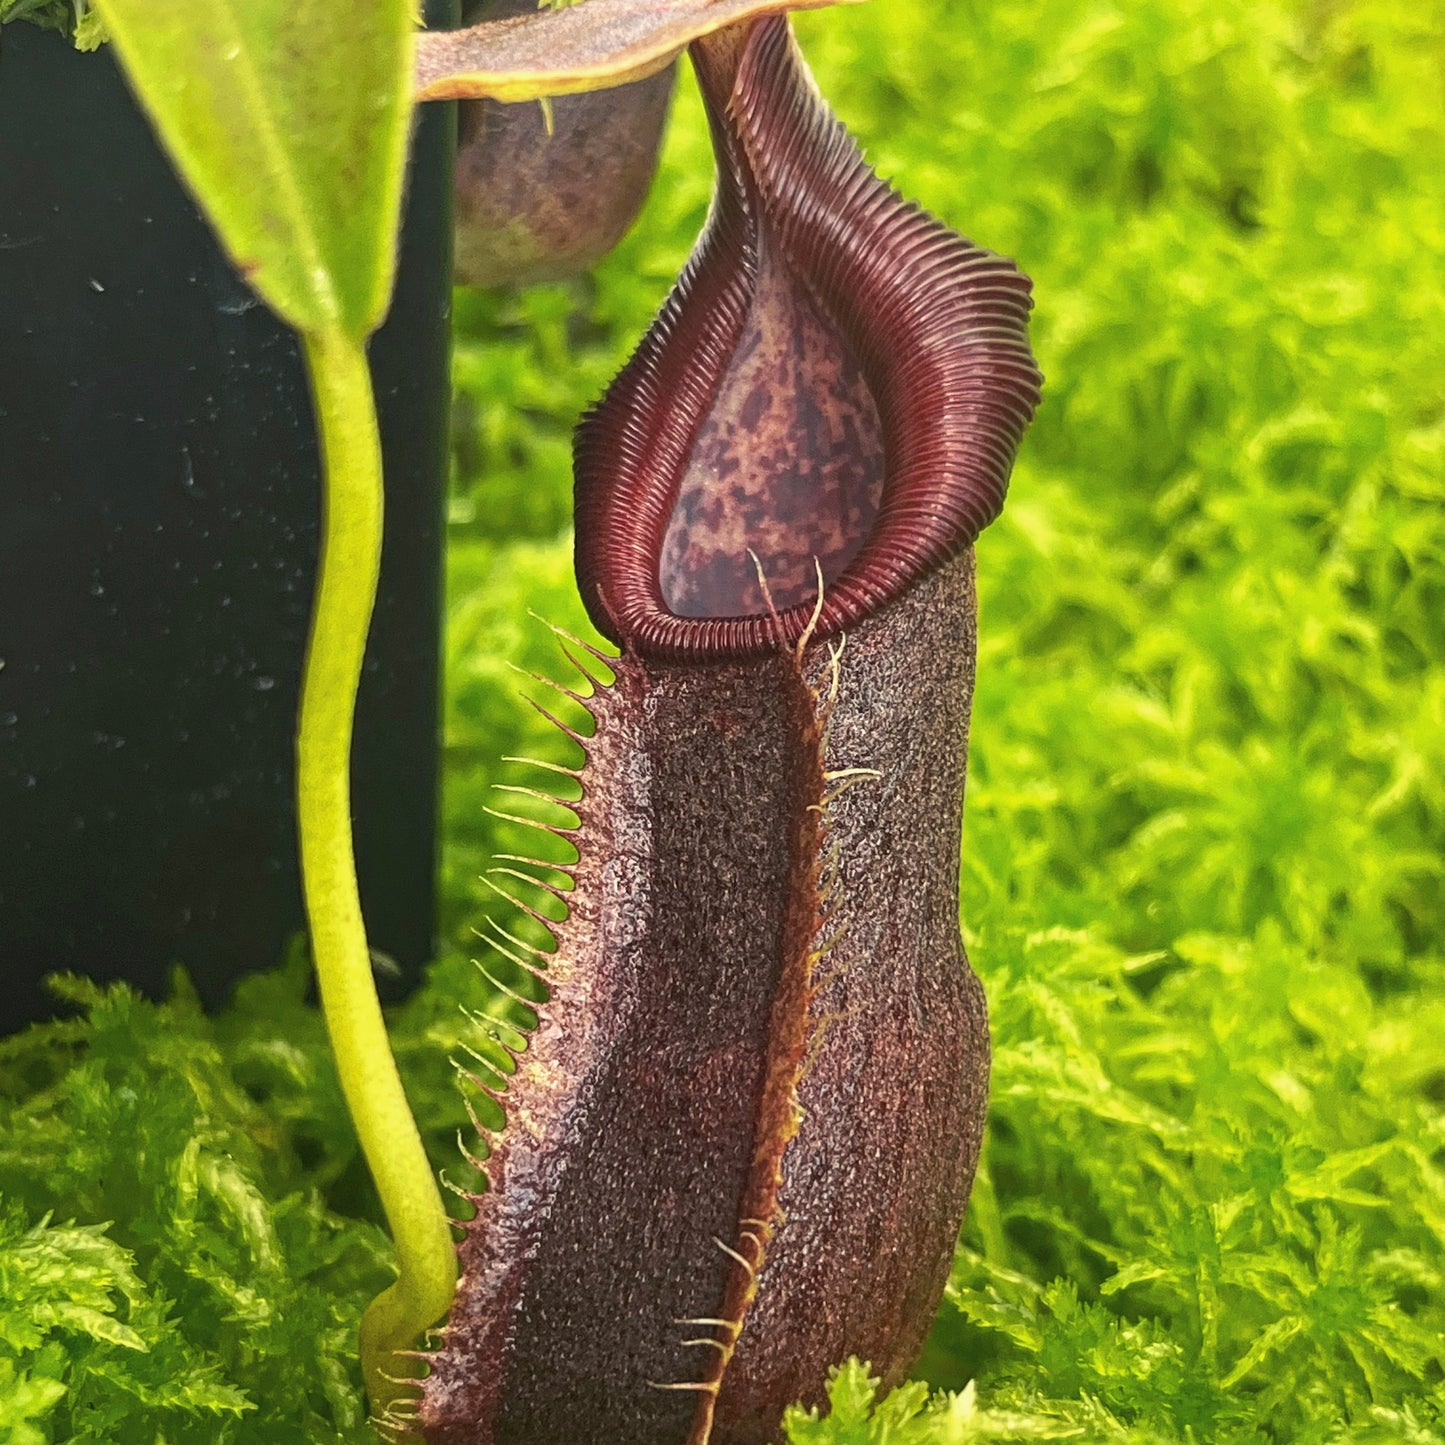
[(835, 389)]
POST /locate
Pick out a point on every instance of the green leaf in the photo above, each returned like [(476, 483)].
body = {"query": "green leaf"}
[(288, 119)]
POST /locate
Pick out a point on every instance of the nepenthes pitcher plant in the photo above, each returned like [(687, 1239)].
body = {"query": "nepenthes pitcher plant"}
[(739, 1142)]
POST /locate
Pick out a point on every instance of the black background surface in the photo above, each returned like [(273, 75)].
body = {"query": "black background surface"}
[(159, 503)]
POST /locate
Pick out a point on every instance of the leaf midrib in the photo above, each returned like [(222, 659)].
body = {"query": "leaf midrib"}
[(269, 133)]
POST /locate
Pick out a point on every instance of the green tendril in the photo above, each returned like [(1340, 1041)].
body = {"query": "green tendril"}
[(345, 595)]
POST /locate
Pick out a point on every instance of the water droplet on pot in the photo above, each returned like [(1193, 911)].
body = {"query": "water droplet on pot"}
[(188, 475)]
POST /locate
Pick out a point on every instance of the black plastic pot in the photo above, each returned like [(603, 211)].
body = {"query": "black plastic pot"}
[(159, 502)]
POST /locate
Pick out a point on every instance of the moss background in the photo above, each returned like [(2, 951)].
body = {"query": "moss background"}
[(1205, 845)]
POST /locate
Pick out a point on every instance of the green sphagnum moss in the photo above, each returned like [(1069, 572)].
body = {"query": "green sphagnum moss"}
[(74, 18)]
